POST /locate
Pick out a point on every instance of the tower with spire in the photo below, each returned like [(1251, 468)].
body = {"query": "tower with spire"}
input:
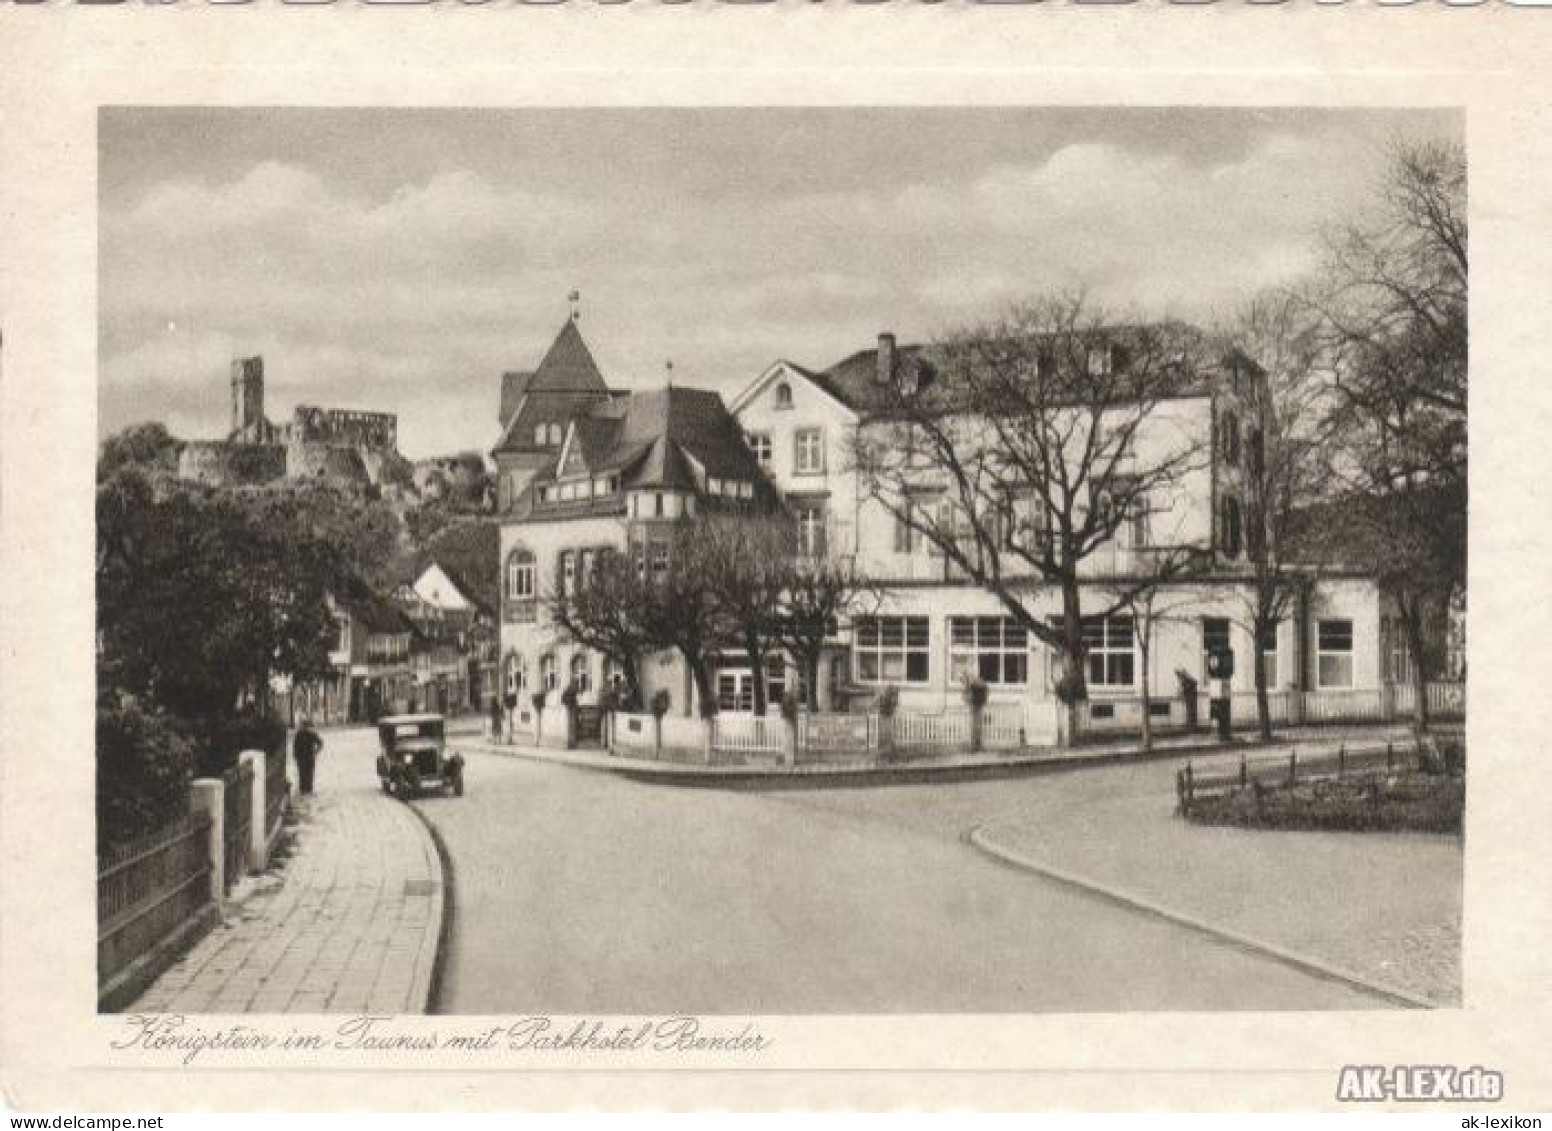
[(536, 405)]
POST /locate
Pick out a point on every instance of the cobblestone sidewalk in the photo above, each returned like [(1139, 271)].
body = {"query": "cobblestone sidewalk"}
[(348, 923)]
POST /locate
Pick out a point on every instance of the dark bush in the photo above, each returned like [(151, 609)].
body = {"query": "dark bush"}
[(888, 701), (568, 697), (220, 740), (660, 702), (144, 765), (538, 700)]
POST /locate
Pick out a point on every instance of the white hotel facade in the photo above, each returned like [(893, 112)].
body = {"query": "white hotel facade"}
[(929, 627)]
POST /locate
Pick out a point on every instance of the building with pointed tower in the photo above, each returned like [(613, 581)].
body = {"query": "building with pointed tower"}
[(536, 407)]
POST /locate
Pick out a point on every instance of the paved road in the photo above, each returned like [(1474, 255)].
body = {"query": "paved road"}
[(580, 892)]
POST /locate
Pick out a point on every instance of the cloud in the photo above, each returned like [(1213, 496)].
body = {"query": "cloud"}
[(413, 294)]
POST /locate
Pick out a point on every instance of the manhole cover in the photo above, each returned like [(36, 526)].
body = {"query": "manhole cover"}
[(419, 887)]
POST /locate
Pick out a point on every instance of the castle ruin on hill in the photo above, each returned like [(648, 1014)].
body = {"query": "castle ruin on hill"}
[(344, 447)]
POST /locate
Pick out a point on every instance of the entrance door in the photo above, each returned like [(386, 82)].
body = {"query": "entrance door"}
[(590, 726)]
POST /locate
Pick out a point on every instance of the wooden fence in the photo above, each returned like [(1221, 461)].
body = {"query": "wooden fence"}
[(1193, 785), (238, 804), (150, 890), (276, 791)]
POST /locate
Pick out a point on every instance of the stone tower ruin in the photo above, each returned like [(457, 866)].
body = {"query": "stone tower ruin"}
[(248, 423)]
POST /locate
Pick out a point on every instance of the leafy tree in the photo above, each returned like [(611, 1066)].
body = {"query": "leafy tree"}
[(199, 603), (145, 761), (1024, 434), (148, 446)]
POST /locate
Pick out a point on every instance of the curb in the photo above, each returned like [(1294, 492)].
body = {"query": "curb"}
[(438, 929), (977, 838), (863, 775)]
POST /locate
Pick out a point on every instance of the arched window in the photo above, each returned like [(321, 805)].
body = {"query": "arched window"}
[(614, 674), (520, 575), (548, 679), (514, 676), (581, 674), (784, 395)]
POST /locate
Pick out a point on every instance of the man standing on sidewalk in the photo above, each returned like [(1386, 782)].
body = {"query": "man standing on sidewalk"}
[(304, 748)]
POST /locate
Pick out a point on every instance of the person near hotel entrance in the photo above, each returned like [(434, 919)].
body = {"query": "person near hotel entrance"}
[(304, 749), (495, 718)]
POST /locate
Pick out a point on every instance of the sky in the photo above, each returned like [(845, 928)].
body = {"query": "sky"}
[(401, 260)]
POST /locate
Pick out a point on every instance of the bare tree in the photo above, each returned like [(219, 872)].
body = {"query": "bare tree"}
[(679, 609), (605, 609), (1286, 469), (817, 597), (1018, 450), (1394, 307), (742, 561)]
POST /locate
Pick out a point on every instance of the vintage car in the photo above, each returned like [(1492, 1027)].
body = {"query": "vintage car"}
[(414, 756)]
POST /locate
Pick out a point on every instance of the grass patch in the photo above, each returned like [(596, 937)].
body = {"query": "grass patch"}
[(1411, 801)]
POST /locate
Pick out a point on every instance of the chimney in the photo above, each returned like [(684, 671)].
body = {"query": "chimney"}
[(884, 369)]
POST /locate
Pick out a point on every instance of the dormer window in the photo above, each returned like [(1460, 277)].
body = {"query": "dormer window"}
[(784, 395)]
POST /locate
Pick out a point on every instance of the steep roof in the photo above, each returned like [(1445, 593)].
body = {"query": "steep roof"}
[(375, 613), (513, 385), (656, 438), (566, 381), (568, 367), (468, 553)]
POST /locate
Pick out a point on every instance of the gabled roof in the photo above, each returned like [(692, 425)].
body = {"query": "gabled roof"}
[(654, 438), (467, 552), (779, 368), (375, 613)]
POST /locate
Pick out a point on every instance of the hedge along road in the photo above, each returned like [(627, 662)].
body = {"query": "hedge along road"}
[(577, 891)]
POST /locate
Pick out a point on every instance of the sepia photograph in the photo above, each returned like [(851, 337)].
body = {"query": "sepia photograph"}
[(708, 562)]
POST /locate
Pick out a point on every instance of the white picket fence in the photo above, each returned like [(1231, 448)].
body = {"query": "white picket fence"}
[(1393, 704), (736, 732), (952, 728)]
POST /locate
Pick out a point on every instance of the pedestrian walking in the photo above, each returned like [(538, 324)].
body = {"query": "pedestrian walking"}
[(304, 749), (495, 718), (511, 715)]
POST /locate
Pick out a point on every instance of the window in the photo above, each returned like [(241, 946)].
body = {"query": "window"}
[(784, 395), (342, 633), (581, 674), (657, 504), (892, 649), (760, 445), (614, 674), (548, 677), (1229, 447), (589, 560), (1215, 638), (520, 576), (557, 434), (905, 534), (659, 560), (1334, 653), (1269, 654), (811, 530), (568, 571), (1229, 526), (1024, 525), (516, 677), (541, 434), (996, 649), (810, 451), (1098, 361), (1109, 643)]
